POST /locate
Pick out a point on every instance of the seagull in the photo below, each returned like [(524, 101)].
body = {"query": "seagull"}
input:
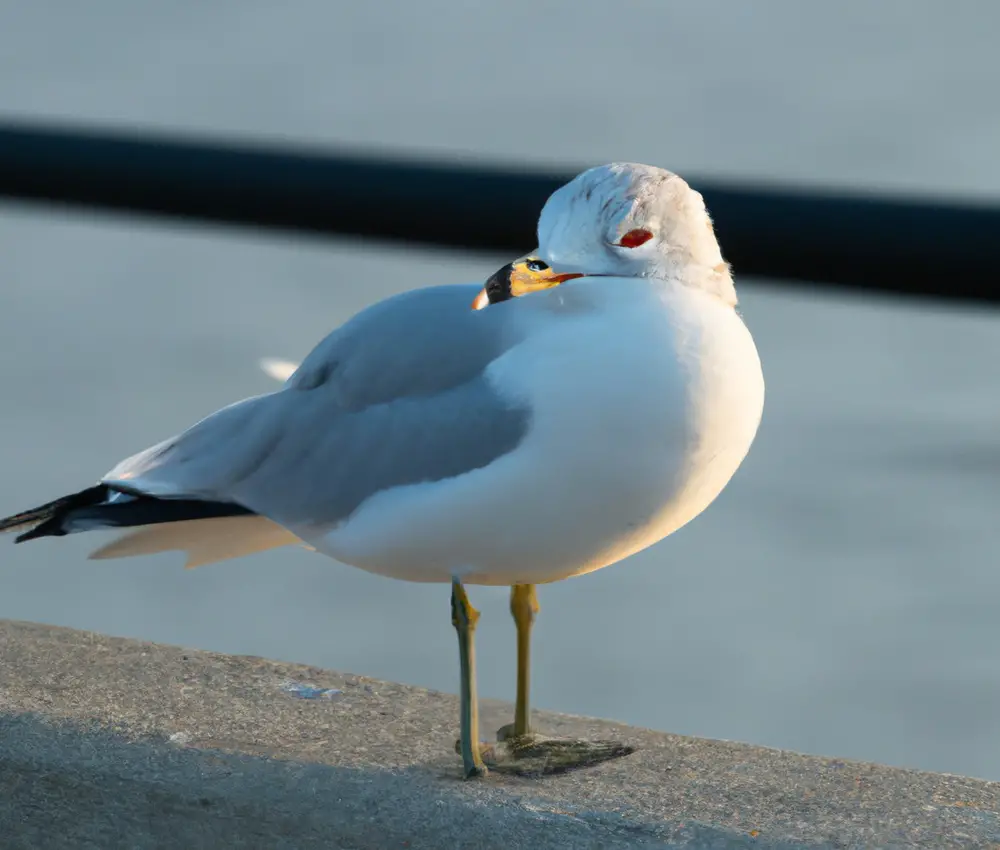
[(593, 397)]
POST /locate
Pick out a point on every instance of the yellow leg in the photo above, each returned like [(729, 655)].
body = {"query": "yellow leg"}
[(464, 617), (521, 751), (518, 750), (524, 609)]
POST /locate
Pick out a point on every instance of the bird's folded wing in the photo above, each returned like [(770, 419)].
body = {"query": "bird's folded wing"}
[(397, 396)]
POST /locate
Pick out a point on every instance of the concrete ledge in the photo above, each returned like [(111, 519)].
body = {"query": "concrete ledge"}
[(113, 743)]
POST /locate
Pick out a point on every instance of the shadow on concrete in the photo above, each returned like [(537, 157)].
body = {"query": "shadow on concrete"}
[(66, 786)]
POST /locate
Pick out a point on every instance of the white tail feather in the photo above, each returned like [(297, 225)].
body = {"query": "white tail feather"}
[(280, 370), (206, 541)]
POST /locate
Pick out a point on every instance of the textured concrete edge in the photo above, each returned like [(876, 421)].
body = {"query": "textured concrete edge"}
[(114, 742)]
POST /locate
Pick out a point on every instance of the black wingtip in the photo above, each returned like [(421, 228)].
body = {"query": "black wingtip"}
[(49, 528), (46, 520), (90, 508)]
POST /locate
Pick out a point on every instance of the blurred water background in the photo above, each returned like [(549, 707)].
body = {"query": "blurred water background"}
[(842, 595)]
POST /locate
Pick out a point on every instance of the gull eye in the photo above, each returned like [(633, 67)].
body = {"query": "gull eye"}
[(536, 266), (635, 238)]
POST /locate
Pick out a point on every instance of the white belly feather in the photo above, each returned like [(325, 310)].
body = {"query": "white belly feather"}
[(642, 411)]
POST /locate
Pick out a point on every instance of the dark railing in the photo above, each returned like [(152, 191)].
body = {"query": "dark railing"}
[(937, 249)]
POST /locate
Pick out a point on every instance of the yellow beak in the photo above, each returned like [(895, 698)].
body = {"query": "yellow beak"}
[(529, 274)]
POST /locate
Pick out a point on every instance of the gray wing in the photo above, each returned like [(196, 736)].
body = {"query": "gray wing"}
[(395, 396)]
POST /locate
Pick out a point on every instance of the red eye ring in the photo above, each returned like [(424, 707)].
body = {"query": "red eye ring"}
[(635, 238)]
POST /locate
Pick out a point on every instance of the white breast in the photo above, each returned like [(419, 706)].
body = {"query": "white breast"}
[(645, 401)]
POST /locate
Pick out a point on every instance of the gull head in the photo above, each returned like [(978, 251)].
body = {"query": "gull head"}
[(621, 220)]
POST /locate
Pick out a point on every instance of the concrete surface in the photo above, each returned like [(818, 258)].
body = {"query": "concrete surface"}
[(106, 742)]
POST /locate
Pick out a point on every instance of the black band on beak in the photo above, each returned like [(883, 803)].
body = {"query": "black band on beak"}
[(498, 287)]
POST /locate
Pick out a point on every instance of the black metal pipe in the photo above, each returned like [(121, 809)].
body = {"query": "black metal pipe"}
[(938, 249)]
